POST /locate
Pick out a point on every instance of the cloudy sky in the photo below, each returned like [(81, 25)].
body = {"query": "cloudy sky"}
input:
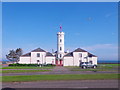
[(91, 26)]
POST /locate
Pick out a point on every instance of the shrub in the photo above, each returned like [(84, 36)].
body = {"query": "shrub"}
[(23, 64), (33, 65), (50, 65)]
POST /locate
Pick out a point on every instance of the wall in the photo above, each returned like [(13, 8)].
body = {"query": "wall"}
[(50, 60), (24, 60), (77, 57), (68, 61), (34, 57), (94, 59)]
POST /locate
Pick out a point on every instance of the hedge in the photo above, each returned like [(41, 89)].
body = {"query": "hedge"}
[(35, 65)]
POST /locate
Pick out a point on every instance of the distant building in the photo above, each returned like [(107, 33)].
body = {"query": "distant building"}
[(60, 57)]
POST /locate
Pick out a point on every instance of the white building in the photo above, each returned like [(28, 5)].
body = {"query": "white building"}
[(60, 57), (37, 56)]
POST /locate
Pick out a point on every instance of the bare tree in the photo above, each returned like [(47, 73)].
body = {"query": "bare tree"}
[(14, 56)]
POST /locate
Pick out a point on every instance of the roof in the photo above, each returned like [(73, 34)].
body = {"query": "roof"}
[(56, 52), (48, 54), (79, 50), (69, 54), (38, 50), (27, 54), (91, 55)]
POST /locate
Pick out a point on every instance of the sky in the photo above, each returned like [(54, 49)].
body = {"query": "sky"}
[(87, 25)]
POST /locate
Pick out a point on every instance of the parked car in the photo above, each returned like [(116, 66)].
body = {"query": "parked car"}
[(85, 65)]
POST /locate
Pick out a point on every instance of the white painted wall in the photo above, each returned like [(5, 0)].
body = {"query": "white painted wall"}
[(50, 60), (24, 60), (94, 59), (34, 57), (77, 57), (75, 60), (60, 43), (68, 61)]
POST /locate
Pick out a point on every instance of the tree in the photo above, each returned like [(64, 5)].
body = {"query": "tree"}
[(14, 55)]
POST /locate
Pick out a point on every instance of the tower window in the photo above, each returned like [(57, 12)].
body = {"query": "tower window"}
[(60, 48), (60, 40), (60, 55), (38, 54)]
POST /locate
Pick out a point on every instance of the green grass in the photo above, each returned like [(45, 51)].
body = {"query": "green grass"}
[(89, 70), (23, 71), (26, 78), (24, 67), (71, 67), (101, 67), (110, 64)]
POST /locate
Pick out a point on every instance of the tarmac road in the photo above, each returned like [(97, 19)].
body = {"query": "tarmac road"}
[(64, 84)]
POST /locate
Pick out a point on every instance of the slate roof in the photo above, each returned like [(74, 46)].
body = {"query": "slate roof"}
[(69, 54), (48, 54), (79, 50), (38, 50), (56, 52), (91, 55), (27, 54)]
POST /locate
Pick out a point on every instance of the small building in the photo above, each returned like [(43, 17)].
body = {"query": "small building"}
[(78, 56), (37, 56)]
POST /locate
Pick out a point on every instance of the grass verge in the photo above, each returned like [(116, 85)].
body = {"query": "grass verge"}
[(27, 78), (23, 71), (24, 67), (101, 67)]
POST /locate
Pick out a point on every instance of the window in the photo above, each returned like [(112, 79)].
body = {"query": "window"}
[(80, 54), (60, 48), (38, 54), (38, 61), (60, 55), (91, 62), (60, 40)]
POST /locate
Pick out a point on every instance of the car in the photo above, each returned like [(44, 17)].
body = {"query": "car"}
[(85, 65)]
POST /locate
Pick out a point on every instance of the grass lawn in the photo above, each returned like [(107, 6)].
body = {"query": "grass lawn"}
[(89, 69), (24, 67), (110, 64), (58, 77), (101, 67), (23, 71)]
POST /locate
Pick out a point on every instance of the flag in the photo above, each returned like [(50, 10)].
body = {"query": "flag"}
[(60, 28)]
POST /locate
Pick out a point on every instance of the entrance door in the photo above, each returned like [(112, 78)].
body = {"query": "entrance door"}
[(59, 62)]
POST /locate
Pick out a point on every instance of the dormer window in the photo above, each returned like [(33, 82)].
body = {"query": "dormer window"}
[(38, 54)]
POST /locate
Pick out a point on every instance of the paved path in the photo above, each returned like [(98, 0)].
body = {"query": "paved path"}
[(57, 70), (65, 84)]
